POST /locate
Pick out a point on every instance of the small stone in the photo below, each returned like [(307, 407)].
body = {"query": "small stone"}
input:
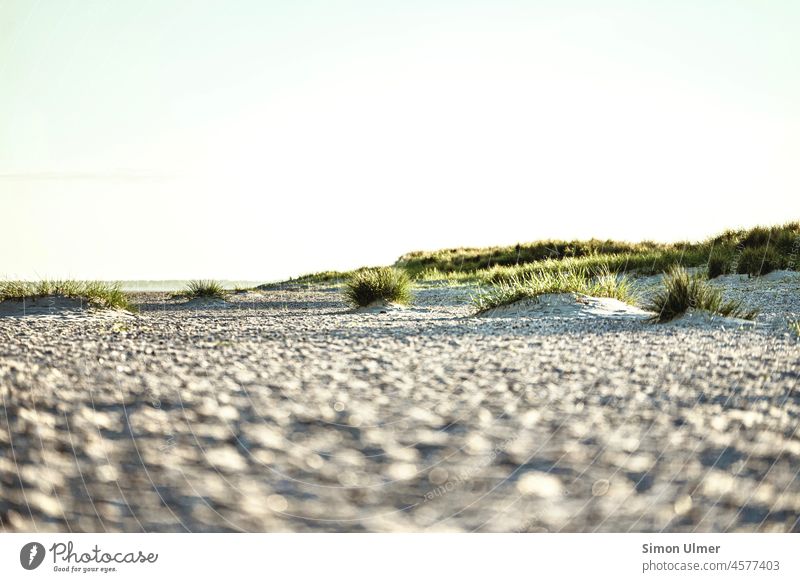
[(401, 471), (226, 459), (437, 476), (277, 503), (683, 505), (539, 485), (600, 487)]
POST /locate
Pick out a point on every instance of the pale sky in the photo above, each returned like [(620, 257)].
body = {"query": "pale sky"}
[(156, 139)]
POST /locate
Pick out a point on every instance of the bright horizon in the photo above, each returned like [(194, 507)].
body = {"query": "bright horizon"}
[(175, 140)]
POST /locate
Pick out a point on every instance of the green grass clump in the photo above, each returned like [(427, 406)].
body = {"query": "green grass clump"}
[(604, 283), (204, 288), (387, 284), (682, 292), (795, 327), (94, 293), (718, 264), (758, 261)]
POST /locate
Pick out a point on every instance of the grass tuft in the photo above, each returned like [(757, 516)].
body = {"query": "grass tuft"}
[(604, 283), (795, 327), (682, 292), (204, 288), (758, 261), (388, 284), (95, 293), (718, 264)]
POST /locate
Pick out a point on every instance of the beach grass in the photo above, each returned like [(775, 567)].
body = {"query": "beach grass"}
[(719, 263), (742, 250), (94, 293), (319, 278), (755, 251), (757, 261), (366, 286), (602, 283), (203, 288), (795, 327), (682, 292)]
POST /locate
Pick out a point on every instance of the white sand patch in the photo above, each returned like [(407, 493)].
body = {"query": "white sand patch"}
[(540, 485), (656, 279), (41, 306), (648, 280), (729, 280), (569, 305), (781, 276), (247, 293), (53, 305), (206, 303), (379, 307), (699, 318), (444, 294)]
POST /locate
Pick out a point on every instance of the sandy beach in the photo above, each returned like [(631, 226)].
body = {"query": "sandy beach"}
[(285, 410), (397, 269)]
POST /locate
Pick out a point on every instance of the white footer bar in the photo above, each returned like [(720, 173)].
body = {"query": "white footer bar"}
[(406, 557)]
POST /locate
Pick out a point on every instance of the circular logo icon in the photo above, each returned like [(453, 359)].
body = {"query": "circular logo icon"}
[(31, 555)]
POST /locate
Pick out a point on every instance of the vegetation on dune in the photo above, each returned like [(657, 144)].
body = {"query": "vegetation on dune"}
[(602, 283), (472, 259), (754, 251), (204, 288), (682, 292), (434, 274), (795, 327), (782, 238), (731, 251), (758, 261), (388, 284), (311, 279), (94, 293), (718, 264), (651, 262)]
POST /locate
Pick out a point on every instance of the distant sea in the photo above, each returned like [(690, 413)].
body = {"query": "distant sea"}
[(177, 285)]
